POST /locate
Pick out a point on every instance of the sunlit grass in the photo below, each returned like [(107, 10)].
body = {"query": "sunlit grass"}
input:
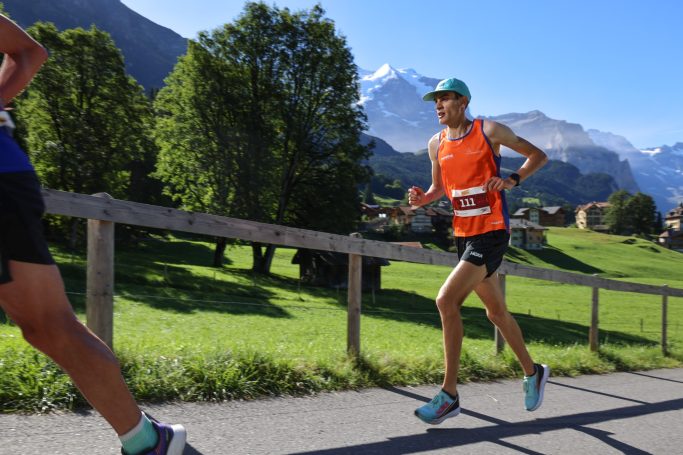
[(187, 331)]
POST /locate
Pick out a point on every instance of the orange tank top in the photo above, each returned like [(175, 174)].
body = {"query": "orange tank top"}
[(466, 165)]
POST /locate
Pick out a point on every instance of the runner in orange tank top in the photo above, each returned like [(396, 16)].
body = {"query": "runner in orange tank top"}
[(466, 162)]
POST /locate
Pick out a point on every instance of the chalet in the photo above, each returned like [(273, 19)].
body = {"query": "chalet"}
[(672, 237), (442, 214), (592, 216), (527, 235), (674, 218), (329, 269), (545, 216), (419, 220), (402, 215), (371, 211)]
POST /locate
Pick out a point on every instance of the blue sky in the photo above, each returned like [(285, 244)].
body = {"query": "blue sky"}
[(611, 65)]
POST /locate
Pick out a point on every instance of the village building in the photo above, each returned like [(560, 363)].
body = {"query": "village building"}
[(674, 218), (672, 237), (527, 235), (545, 216), (592, 216), (418, 220)]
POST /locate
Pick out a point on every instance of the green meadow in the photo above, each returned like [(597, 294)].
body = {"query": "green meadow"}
[(184, 330)]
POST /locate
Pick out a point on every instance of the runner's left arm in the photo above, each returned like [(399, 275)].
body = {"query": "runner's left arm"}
[(500, 134)]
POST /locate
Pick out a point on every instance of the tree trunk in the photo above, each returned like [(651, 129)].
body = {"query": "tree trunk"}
[(257, 255), (73, 236), (219, 252), (268, 259)]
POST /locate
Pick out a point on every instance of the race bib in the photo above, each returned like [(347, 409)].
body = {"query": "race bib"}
[(470, 202)]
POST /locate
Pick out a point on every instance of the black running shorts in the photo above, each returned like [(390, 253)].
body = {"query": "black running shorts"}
[(21, 228), (484, 249)]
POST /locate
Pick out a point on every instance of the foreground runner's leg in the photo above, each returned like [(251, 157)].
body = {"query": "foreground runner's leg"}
[(168, 439)]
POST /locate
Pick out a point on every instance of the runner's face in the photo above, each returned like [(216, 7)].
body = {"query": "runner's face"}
[(449, 107)]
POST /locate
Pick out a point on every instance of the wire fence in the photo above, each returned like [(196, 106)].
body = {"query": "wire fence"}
[(103, 212), (639, 326)]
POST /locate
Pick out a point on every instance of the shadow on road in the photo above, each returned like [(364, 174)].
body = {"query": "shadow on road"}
[(444, 438), (655, 377), (189, 450)]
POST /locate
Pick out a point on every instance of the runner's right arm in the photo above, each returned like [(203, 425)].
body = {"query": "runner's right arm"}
[(416, 195), (23, 57)]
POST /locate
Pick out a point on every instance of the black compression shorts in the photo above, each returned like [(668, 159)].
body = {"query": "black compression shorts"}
[(21, 228), (484, 249)]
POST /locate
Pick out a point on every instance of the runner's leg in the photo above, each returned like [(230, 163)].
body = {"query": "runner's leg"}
[(461, 281), (35, 300), (491, 294)]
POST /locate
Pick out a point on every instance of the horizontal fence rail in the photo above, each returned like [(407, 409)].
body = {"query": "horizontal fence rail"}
[(118, 211), (133, 213), (103, 208)]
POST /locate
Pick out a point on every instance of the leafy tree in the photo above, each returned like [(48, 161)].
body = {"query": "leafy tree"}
[(631, 214), (618, 217), (319, 124), (368, 196), (260, 120), (658, 224), (642, 211), (85, 117), (215, 141)]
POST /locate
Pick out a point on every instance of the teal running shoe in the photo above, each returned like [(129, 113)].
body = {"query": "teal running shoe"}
[(171, 439), (534, 386), (439, 409)]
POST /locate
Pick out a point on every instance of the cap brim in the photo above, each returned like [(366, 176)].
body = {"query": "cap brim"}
[(429, 96)]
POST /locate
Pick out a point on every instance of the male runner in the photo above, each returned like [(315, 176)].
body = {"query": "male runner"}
[(466, 160), (31, 289)]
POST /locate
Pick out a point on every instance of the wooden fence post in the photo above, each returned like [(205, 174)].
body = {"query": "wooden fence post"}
[(354, 300), (665, 303), (100, 278), (497, 336), (593, 332)]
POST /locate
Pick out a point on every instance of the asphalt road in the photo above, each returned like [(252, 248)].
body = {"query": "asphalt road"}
[(632, 413)]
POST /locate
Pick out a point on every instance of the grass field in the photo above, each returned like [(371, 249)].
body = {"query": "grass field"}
[(187, 331)]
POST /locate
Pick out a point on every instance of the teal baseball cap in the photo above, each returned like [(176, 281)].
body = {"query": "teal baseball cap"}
[(449, 85)]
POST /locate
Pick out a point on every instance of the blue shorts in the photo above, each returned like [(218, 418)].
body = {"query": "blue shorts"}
[(21, 226), (484, 249)]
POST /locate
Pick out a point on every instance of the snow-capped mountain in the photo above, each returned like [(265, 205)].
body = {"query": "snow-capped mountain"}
[(392, 99), (658, 171), (569, 142), (396, 113)]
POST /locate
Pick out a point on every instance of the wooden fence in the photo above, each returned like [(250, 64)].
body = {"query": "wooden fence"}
[(102, 212)]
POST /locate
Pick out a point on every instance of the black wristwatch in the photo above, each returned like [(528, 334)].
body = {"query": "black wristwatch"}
[(515, 176)]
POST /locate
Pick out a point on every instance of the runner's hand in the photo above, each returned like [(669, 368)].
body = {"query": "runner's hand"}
[(415, 196), (499, 184)]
